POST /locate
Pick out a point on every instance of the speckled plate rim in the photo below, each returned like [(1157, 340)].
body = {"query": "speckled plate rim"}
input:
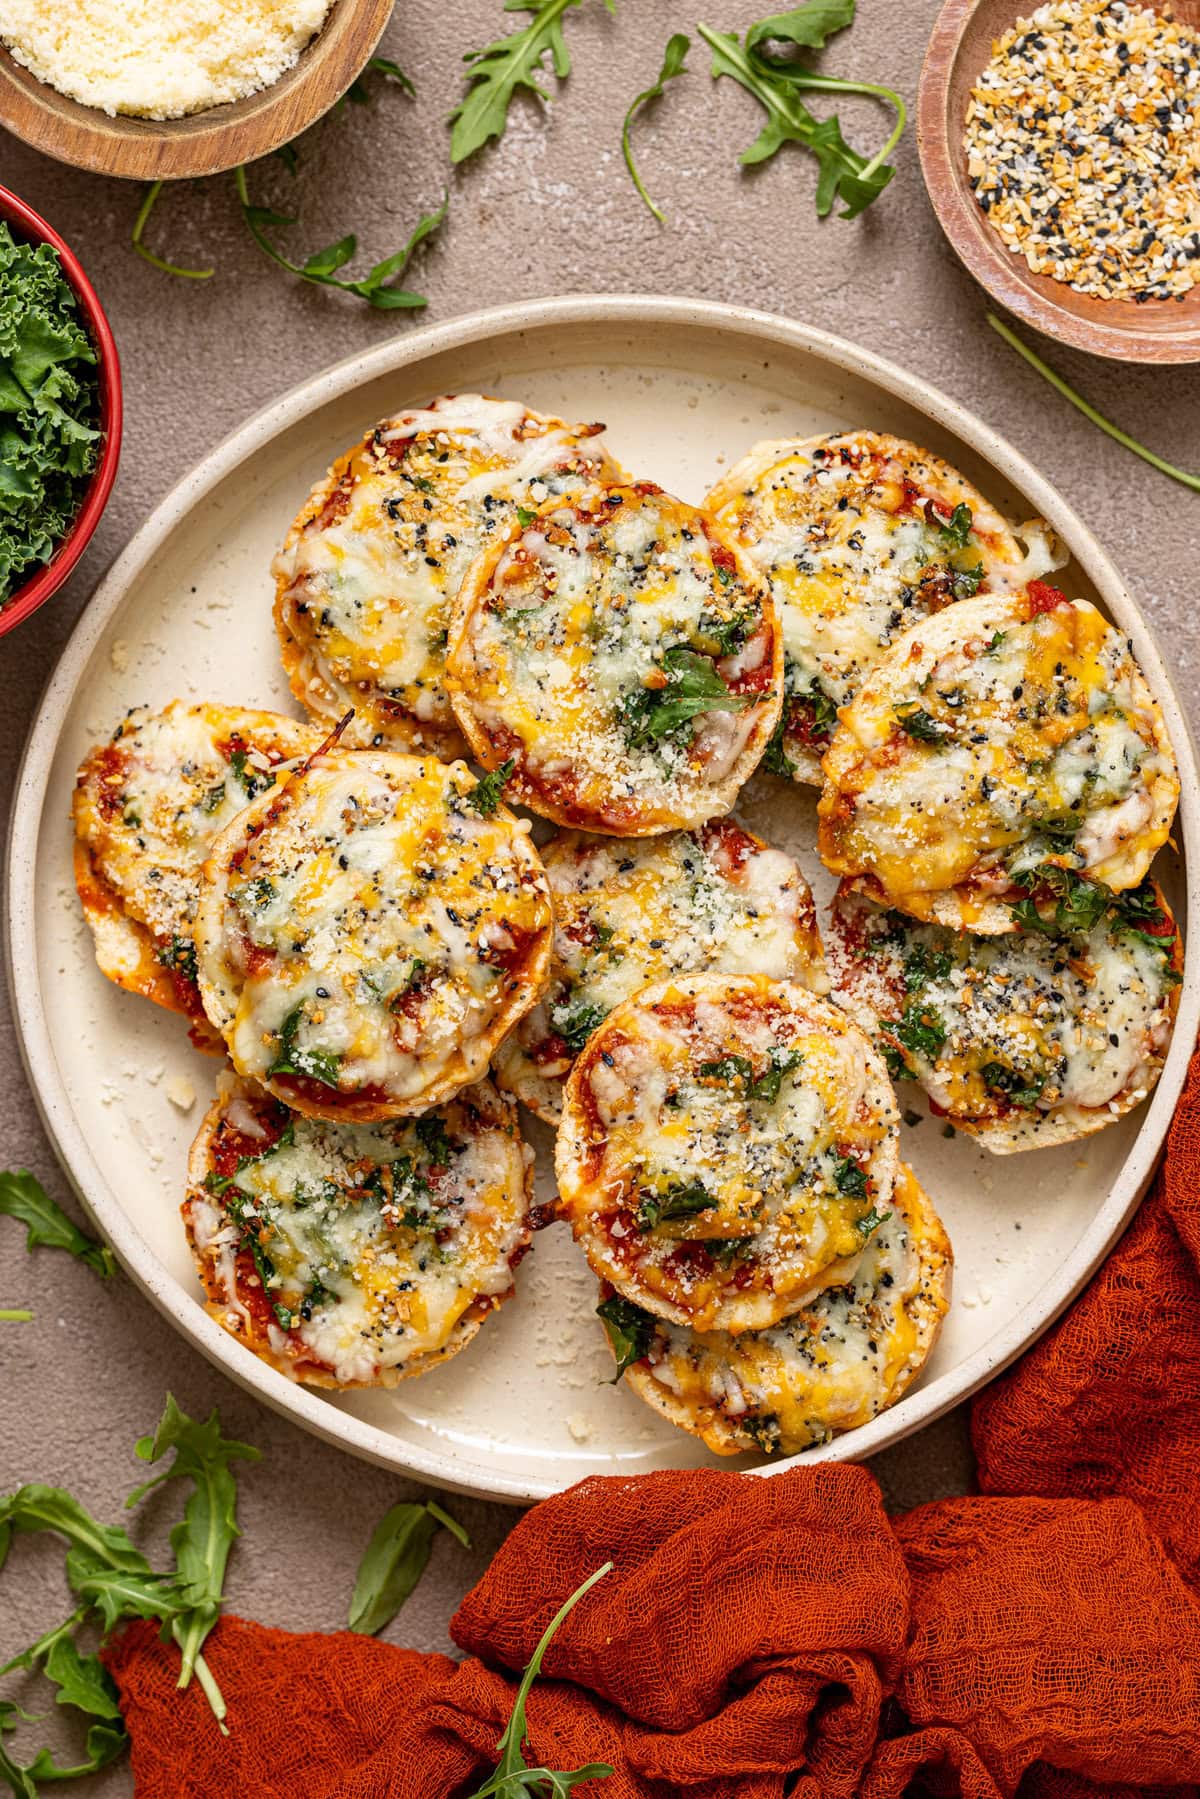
[(760, 331)]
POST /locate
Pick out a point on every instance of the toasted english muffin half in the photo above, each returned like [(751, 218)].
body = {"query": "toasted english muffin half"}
[(834, 1365), (727, 1148), (621, 657), (148, 806), (1027, 1040), (860, 535), (356, 1255), (631, 911), (370, 569), (369, 931), (1005, 749)]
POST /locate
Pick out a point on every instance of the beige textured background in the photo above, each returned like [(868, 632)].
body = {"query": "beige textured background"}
[(548, 211)]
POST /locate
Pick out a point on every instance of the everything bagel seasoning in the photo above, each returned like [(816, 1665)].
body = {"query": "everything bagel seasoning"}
[(1083, 148)]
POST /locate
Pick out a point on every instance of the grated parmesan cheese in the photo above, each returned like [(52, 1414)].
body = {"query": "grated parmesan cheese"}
[(156, 60)]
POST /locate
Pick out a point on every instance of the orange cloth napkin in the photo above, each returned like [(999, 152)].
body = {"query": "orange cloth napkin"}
[(768, 1637)]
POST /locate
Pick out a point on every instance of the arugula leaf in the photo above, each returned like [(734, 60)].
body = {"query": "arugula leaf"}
[(394, 1561), (920, 725), (137, 239), (49, 408), (693, 686), (513, 1775), (205, 1534), (488, 790), (673, 64), (358, 93), (23, 1197), (293, 1058), (575, 1023), (777, 82), (681, 1200), (1089, 411), (377, 287), (630, 1331), (495, 73)]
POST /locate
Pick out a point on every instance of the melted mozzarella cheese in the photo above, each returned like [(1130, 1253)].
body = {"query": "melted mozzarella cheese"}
[(828, 1368), (371, 569), (584, 623), (629, 912), (977, 736), (726, 1150), (150, 804), (1023, 1024), (376, 1247), (372, 932)]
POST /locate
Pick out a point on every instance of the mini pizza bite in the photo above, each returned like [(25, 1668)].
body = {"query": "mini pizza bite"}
[(631, 911), (369, 931), (148, 806), (998, 749), (621, 658), (727, 1149), (370, 569), (355, 1255), (846, 1356), (860, 535), (1028, 1040)]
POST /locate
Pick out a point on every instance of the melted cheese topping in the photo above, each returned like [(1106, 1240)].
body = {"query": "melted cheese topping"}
[(727, 1148), (1005, 1029), (624, 658), (369, 933), (855, 535), (358, 1251), (371, 568), (999, 737), (629, 912), (150, 803), (831, 1367)]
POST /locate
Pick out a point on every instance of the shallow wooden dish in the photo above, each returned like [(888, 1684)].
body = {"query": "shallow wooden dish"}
[(206, 142), (961, 44)]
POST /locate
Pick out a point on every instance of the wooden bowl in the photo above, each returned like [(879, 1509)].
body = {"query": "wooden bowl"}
[(205, 142), (37, 589), (961, 45)]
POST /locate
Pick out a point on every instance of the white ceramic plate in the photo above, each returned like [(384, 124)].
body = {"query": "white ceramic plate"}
[(685, 387)]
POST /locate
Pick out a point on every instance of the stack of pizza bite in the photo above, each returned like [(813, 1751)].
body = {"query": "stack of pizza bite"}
[(390, 960)]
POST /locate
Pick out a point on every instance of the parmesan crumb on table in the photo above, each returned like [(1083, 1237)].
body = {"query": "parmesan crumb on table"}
[(156, 61), (181, 1092), (1083, 147)]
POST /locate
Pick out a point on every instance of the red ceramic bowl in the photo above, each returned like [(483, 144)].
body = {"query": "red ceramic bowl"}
[(25, 223)]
